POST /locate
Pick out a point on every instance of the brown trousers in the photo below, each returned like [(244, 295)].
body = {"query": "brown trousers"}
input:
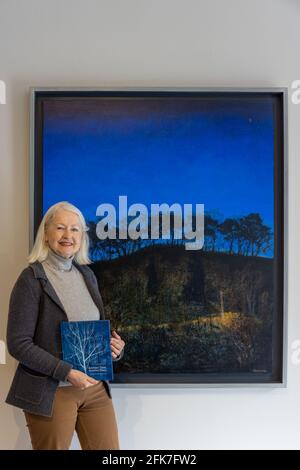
[(90, 412)]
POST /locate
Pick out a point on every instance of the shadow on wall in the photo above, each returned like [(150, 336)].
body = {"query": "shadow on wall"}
[(13, 430), (129, 408), (23, 439)]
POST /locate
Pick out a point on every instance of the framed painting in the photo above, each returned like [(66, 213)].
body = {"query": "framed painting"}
[(184, 194)]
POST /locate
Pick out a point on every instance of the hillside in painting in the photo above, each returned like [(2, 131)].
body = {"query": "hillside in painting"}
[(181, 311)]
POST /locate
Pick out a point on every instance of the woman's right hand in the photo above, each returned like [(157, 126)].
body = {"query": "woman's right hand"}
[(80, 379)]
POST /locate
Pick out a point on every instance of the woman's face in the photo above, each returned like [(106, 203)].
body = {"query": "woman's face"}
[(64, 233)]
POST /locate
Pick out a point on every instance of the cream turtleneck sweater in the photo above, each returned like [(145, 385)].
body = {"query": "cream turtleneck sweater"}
[(71, 289)]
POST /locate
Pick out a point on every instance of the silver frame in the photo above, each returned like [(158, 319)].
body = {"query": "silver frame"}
[(284, 91)]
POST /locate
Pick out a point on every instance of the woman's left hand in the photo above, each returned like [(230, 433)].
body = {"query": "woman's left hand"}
[(116, 344)]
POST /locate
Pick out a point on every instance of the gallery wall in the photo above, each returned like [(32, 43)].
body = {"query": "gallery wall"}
[(158, 43)]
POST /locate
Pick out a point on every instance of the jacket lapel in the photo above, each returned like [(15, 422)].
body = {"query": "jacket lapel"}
[(47, 287)]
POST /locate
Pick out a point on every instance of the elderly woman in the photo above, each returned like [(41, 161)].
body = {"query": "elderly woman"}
[(58, 286)]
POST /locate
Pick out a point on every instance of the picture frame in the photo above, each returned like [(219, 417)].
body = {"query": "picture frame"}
[(209, 316)]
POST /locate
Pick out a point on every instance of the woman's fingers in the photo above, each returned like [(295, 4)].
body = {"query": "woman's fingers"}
[(115, 349), (92, 381), (116, 344), (115, 334)]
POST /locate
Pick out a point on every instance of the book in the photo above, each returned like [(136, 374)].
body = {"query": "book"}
[(86, 345)]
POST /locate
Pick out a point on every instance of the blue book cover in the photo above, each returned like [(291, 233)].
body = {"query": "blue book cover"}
[(86, 345)]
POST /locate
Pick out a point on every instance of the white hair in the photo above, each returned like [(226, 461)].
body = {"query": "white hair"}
[(40, 248)]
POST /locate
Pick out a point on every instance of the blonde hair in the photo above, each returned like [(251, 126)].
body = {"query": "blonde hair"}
[(40, 249)]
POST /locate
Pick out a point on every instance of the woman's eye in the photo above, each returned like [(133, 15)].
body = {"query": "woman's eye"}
[(75, 230)]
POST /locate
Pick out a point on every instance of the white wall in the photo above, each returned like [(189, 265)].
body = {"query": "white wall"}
[(150, 43)]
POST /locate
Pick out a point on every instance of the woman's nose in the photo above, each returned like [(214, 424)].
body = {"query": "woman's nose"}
[(67, 231)]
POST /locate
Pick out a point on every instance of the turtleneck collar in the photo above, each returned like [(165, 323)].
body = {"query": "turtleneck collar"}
[(58, 262)]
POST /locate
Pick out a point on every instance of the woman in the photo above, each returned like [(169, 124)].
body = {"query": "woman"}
[(58, 286)]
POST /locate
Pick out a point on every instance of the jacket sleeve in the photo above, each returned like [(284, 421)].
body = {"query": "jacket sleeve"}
[(22, 320)]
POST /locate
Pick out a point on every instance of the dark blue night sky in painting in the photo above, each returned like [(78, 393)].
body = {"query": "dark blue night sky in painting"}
[(218, 152)]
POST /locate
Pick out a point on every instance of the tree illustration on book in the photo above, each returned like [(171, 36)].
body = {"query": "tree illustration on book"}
[(86, 345)]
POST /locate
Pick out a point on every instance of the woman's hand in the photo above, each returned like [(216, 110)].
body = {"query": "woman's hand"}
[(80, 379), (116, 344)]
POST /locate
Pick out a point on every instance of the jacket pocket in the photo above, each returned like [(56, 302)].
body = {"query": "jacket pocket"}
[(30, 387)]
